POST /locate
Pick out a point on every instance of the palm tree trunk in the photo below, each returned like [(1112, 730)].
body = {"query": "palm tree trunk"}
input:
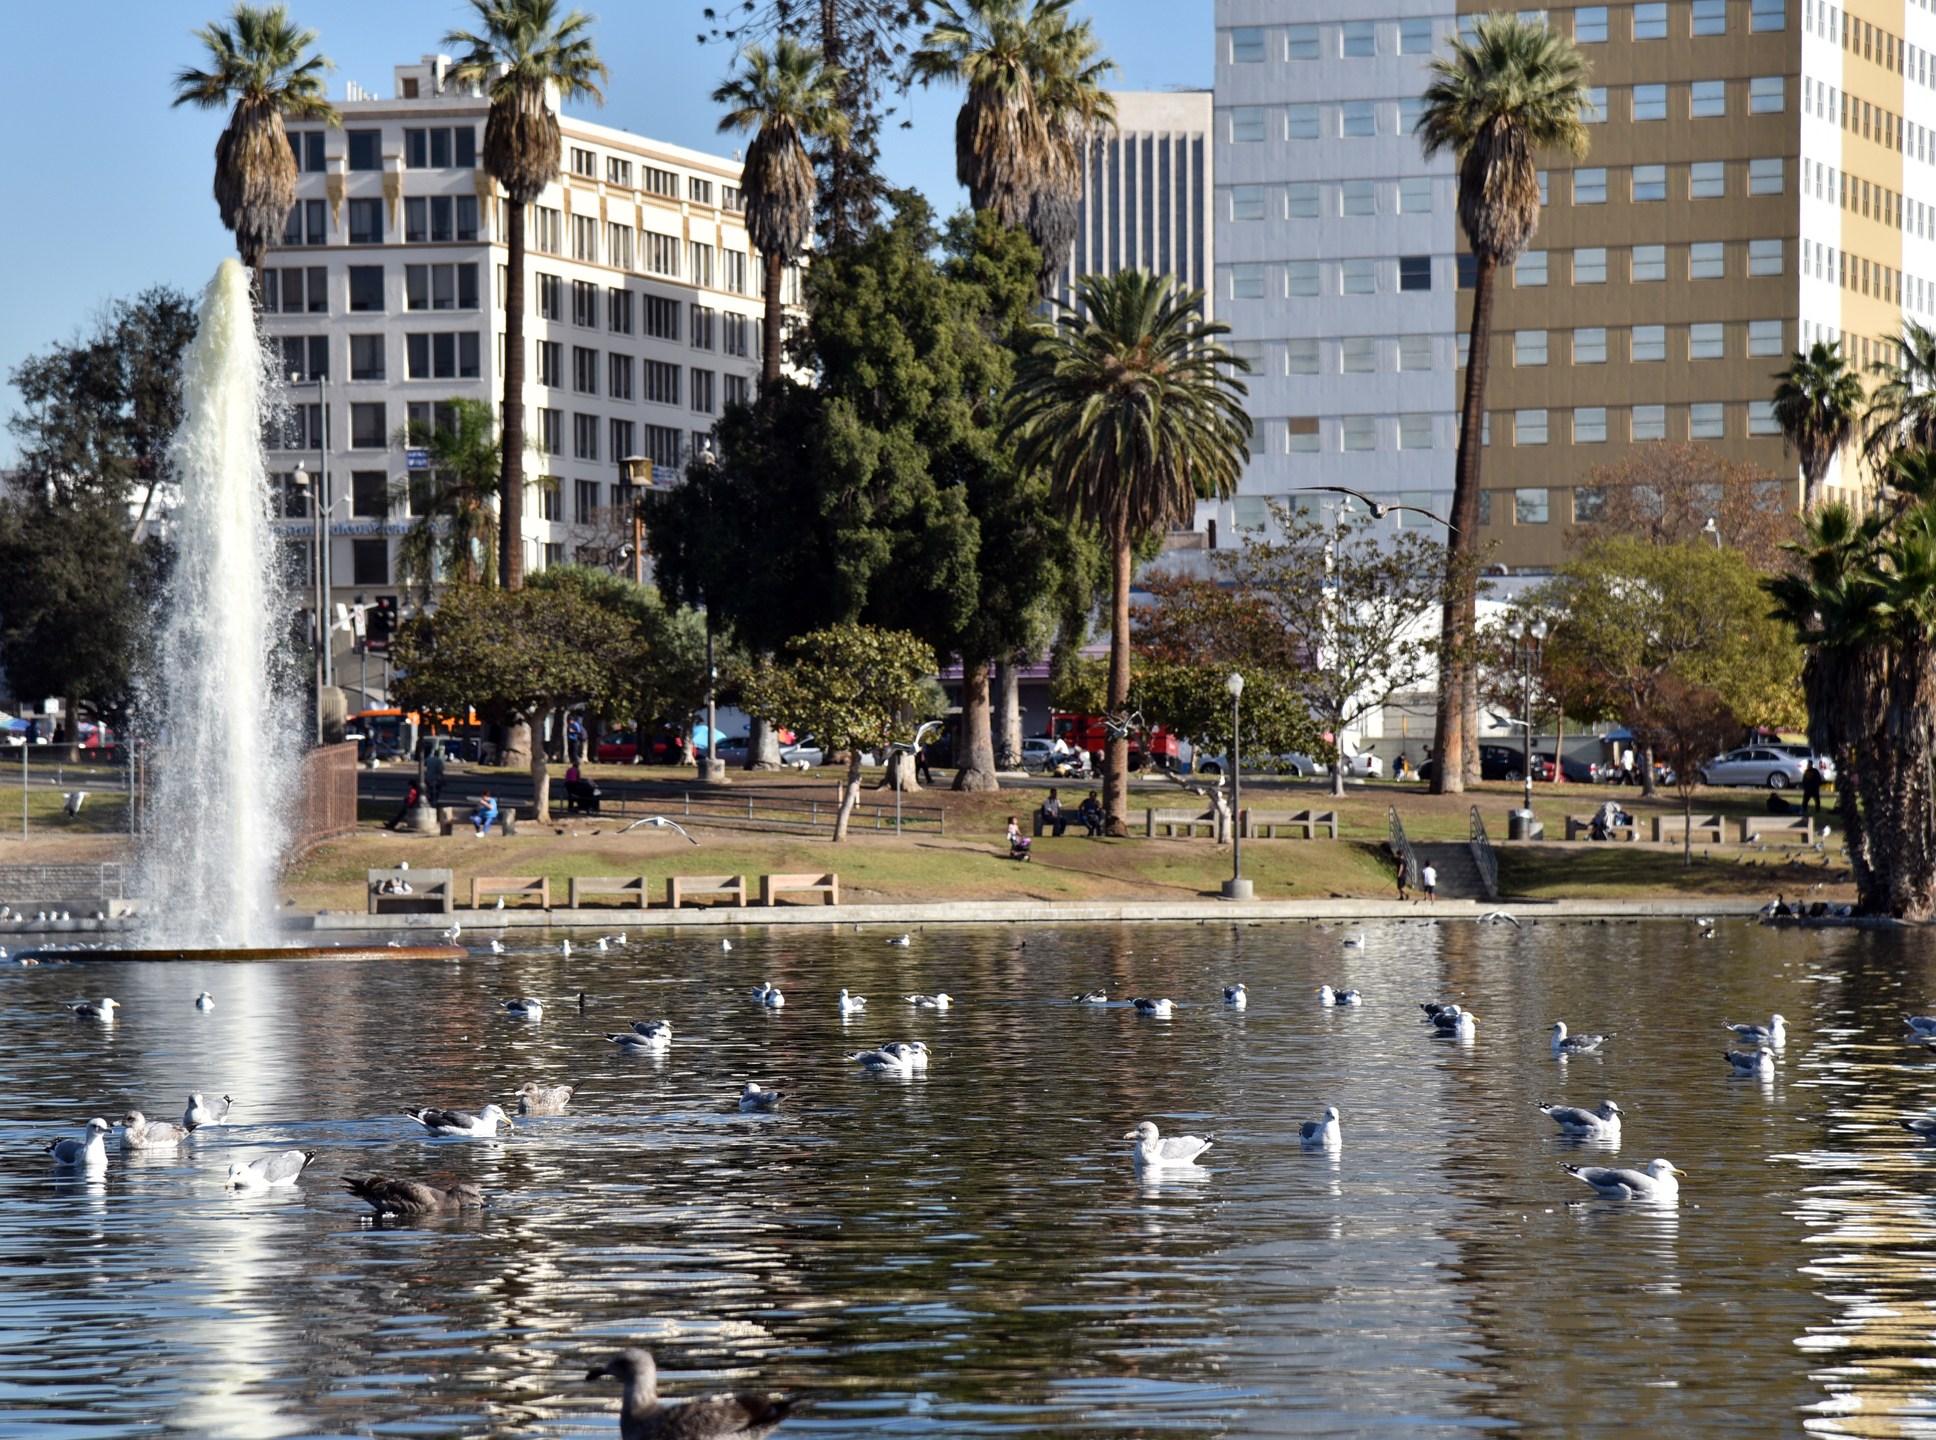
[(1812, 476), (1462, 547), (510, 529), (975, 764), (541, 770), (771, 331), (1115, 773)]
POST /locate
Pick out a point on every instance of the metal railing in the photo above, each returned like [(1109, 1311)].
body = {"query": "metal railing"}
[(768, 810), (1484, 857), (1401, 850)]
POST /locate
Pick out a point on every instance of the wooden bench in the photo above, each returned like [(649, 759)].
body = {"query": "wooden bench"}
[(1779, 830), (773, 886), (515, 887), (1187, 821), (681, 888), (630, 890), (1580, 827), (431, 892), (1264, 824), (1701, 827), (449, 817)]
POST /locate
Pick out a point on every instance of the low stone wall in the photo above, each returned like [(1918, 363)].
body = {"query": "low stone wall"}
[(82, 889)]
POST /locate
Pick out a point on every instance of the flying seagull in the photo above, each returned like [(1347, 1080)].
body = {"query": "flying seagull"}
[(1380, 509), (657, 822)]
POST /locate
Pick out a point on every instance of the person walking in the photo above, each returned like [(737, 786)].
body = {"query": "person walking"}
[(433, 770), (1811, 788), (923, 772), (1429, 878)]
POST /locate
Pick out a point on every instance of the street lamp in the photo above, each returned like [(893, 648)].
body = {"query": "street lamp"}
[(1236, 887), (1526, 648), (637, 471)]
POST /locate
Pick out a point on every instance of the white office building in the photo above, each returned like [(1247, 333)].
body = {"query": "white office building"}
[(1146, 193)]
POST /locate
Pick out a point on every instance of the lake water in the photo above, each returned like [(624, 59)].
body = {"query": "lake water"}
[(969, 1252)]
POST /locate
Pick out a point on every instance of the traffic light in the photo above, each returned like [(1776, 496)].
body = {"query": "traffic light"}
[(380, 623)]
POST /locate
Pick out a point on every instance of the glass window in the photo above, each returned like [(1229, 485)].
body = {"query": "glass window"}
[(1247, 202), (1766, 176), (1545, 189), (1710, 17), (1468, 271), (1590, 266), (1302, 122), (1360, 276), (1360, 40), (1765, 257), (1649, 182), (1590, 25), (1590, 186), (1414, 432), (1303, 198), (1649, 343), (1706, 420), (1247, 282), (1773, 15), (1360, 432), (1410, 109), (1247, 46), (366, 222), (1302, 434), (1590, 345), (1414, 272), (1529, 272), (366, 357), (1761, 418), (1530, 506), (1589, 501), (1359, 355), (1302, 41), (1589, 427), (366, 149), (1649, 262), (1705, 341), (368, 428), (1593, 110), (1707, 99), (1301, 277), (1706, 260), (1485, 507), (1246, 124), (1415, 352), (1415, 37), (1650, 422), (1360, 197), (1360, 119), (1767, 95), (1764, 337), (1650, 20), (1415, 195), (1529, 347), (370, 562), (1301, 356), (366, 287), (1529, 427), (1650, 102), (1707, 180)]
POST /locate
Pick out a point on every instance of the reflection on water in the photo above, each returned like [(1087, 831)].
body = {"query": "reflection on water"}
[(968, 1250)]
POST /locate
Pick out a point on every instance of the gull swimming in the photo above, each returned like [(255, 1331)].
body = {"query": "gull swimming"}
[(1774, 1034), (1499, 917), (1565, 1044), (89, 1152), (203, 1111), (482, 1125), (757, 1098), (1159, 1009), (1751, 1064), (1322, 1134), (536, 1099), (204, 1001), (138, 1132), (940, 1000), (1153, 1152), (102, 1009), (880, 1060), (388, 1196), (852, 1004), (725, 945), (769, 995), (1925, 1127), (1456, 1022), (1924, 1026), (1433, 1011), (526, 1008), (1656, 1182), (901, 940), (1236, 996), (278, 1169), (1091, 997), (1602, 1122), (643, 1416), (1329, 996), (643, 1036)]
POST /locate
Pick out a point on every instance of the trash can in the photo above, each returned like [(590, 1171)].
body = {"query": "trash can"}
[(1522, 825)]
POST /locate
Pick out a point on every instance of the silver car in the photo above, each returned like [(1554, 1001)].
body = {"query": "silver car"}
[(1755, 765), (1804, 754)]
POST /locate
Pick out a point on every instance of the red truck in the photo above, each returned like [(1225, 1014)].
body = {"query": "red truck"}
[(1088, 733)]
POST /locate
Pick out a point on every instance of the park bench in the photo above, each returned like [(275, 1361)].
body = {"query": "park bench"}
[(1774, 830), (431, 892), (1186, 821), (451, 817), (773, 886), (1701, 827), (1264, 824), (1580, 827), (681, 888), (629, 889), (512, 887)]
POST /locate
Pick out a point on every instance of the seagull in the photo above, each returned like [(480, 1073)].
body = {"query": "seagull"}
[(643, 1416), (726, 945), (1329, 996), (500, 903), (1457, 1023), (536, 1099), (1381, 508), (1499, 917), (1751, 1064), (388, 1196), (757, 1098), (138, 1132), (1321, 1134), (633, 1043), (90, 1152), (657, 822), (203, 1111), (204, 1001), (1235, 996), (1922, 1025), (1656, 1182), (940, 1000), (1774, 1034), (1565, 1044), (1925, 1127), (1602, 1122), (278, 1169), (852, 1004), (481, 1125), (454, 931), (1152, 1152), (773, 999), (901, 940), (528, 1008), (564, 947), (1157, 1009), (1355, 941), (102, 1009), (881, 1060), (1091, 997), (1433, 1011), (497, 947)]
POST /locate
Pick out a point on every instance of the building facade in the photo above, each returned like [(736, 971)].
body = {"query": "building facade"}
[(385, 300)]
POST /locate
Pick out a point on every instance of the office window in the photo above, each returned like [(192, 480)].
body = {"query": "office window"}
[(1589, 501), (1590, 345), (1590, 425), (661, 383), (551, 362), (1247, 45), (618, 376), (1360, 119), (1529, 427), (739, 390), (1649, 102), (1765, 257), (551, 297), (584, 304), (1590, 266), (618, 311), (1529, 271), (369, 430), (1247, 282), (1650, 20), (1468, 271), (584, 370), (618, 244), (584, 437), (1649, 182), (1706, 260), (449, 356), (1410, 108), (1545, 183), (701, 391), (1529, 347), (440, 287), (1359, 276), (1710, 17), (1246, 124), (1303, 122), (1360, 432), (1301, 356), (1414, 432), (661, 253), (1414, 352), (1415, 195), (1705, 341), (1761, 418), (1590, 186), (700, 192), (1415, 37), (1764, 337), (307, 147), (586, 493), (366, 149), (1359, 355), (1766, 176), (1414, 272), (299, 290), (583, 162), (661, 317), (1301, 277), (1247, 202), (1302, 435), (366, 222), (1302, 200), (1706, 420), (1767, 95), (1360, 40), (1530, 506), (584, 238), (439, 219), (1650, 422), (1593, 109), (1773, 15), (664, 183), (736, 335), (618, 172), (1301, 42), (366, 287), (366, 357), (1649, 343), (1360, 197), (1707, 99), (1590, 25), (305, 357), (1649, 263), (370, 562)]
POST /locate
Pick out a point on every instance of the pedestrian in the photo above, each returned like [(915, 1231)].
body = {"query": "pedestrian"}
[(433, 770), (923, 771), (485, 815), (1090, 814), (1404, 879), (1811, 787), (575, 740), (1052, 814), (1429, 878), (411, 799)]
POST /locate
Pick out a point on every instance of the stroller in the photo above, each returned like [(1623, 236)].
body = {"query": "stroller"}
[(1018, 846)]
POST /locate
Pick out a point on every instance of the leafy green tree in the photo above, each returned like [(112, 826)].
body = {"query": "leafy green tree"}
[(660, 671), (1515, 88), (522, 52), (855, 687), (1817, 399), (1190, 698), (788, 96), (1131, 408), (454, 503), (259, 62)]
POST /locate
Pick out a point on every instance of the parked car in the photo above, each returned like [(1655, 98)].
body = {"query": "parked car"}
[(1755, 765), (1804, 754), (619, 747), (805, 750), (1573, 771), (1498, 762), (1038, 753)]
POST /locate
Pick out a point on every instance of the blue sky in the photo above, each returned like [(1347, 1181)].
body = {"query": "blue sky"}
[(118, 198)]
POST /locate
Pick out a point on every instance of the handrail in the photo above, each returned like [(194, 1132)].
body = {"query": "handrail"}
[(1401, 849), (1484, 857)]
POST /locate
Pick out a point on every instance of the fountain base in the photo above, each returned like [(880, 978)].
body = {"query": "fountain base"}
[(259, 952)]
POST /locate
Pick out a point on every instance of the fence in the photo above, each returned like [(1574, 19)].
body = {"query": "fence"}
[(326, 798), (1401, 850), (769, 810), (1484, 857), (81, 888)]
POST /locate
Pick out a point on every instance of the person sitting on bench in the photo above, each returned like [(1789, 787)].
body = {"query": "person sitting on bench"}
[(485, 815), (580, 793), (1052, 815), (1090, 814)]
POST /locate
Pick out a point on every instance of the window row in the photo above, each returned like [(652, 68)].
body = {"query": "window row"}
[(1363, 275), (1870, 42), (1321, 200), (625, 248), (1584, 425), (653, 179), (304, 290), (444, 147), (1645, 264), (1538, 505), (442, 355), (1592, 344), (593, 372)]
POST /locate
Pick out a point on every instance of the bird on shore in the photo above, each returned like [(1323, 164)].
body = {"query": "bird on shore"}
[(389, 1196), (203, 1111), (281, 1168), (1323, 1134), (536, 1099), (1154, 1151), (1600, 1123), (756, 1098), (525, 1008), (1751, 1064), (1091, 997), (1774, 1034), (852, 1004), (90, 1152), (1565, 1044), (138, 1132), (481, 1124), (1657, 1182), (102, 1009), (1156, 1009), (204, 1001), (644, 1416), (940, 1000), (1236, 996)]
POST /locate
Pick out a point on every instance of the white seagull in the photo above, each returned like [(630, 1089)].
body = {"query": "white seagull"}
[(102, 1009), (202, 1111), (881, 1061), (526, 1008), (481, 1125), (1925, 1127), (1322, 1134), (90, 1152), (852, 1004), (204, 1001), (1091, 997), (901, 940), (279, 1169), (1602, 1122), (1499, 917), (1565, 1044), (940, 1000), (1656, 1182), (1774, 1034), (756, 1098), (1235, 996), (1751, 1064), (1153, 1152), (138, 1132), (1159, 1009)]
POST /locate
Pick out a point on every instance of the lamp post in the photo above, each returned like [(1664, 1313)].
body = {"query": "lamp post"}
[(1526, 648), (637, 473), (1236, 887)]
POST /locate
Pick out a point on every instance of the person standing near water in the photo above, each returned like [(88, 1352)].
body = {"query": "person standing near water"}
[(1429, 878)]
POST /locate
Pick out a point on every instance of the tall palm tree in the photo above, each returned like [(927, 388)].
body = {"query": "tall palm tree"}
[(1131, 407), (524, 49), (1511, 90), (260, 61), (455, 504), (1076, 108), (1817, 398), (1902, 407), (789, 96)]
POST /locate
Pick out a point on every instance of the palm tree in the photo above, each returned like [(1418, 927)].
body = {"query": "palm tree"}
[(260, 61), (1816, 400), (455, 505), (788, 96), (1076, 108), (1132, 409), (1902, 408), (1513, 89), (524, 51)]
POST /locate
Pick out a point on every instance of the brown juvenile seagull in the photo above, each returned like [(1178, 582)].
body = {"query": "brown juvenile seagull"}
[(642, 1416), (412, 1197), (536, 1099)]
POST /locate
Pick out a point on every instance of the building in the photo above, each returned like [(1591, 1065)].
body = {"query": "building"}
[(386, 300), (1751, 187)]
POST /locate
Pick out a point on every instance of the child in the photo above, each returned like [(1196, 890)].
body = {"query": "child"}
[(1429, 878), (1018, 843)]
